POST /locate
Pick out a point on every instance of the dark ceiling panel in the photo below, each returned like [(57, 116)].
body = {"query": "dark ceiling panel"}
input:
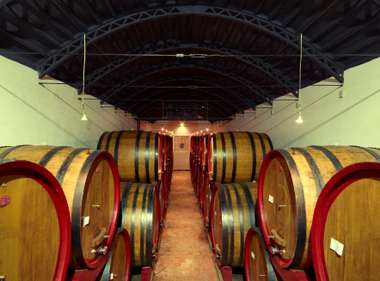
[(249, 47)]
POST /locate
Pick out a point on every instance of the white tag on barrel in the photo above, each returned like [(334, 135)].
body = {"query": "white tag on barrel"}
[(336, 246)]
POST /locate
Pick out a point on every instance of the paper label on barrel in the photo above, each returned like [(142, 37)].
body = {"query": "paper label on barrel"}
[(336, 246), (271, 199), (86, 221), (253, 255)]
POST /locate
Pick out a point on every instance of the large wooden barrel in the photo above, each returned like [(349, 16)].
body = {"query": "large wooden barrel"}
[(166, 173), (136, 153), (169, 159), (118, 266), (204, 189), (35, 230), (201, 165), (237, 156), (141, 217), (257, 262), (289, 185), (207, 203), (232, 215), (346, 226), (90, 182)]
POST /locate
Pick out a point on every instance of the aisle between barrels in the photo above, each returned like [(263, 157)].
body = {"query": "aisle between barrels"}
[(184, 253)]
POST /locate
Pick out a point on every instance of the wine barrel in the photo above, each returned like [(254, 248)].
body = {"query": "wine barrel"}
[(232, 215), (237, 156), (207, 203), (169, 160), (136, 153), (201, 165), (346, 227), (257, 262), (289, 185), (89, 180), (35, 228), (141, 217), (204, 187), (118, 266)]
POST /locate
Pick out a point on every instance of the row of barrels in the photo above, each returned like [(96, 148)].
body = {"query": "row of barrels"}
[(230, 157), (312, 209), (145, 164), (318, 210), (142, 157), (61, 211)]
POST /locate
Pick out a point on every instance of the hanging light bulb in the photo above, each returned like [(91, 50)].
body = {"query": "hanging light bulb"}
[(84, 117), (299, 120)]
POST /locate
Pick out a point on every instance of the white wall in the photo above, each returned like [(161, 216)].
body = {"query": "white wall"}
[(49, 114), (328, 119)]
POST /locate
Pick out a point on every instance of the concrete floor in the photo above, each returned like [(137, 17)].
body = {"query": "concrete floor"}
[(185, 254)]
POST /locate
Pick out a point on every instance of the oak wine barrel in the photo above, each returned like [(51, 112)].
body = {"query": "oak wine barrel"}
[(140, 210), (207, 203), (237, 156), (35, 227), (346, 227), (90, 182), (257, 262), (136, 153), (118, 266), (204, 189), (289, 185), (201, 165), (232, 215), (166, 173), (169, 159)]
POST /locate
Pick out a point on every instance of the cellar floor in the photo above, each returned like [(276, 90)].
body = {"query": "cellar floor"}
[(185, 254)]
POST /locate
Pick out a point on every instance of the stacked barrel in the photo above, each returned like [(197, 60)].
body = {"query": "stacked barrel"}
[(166, 144), (58, 210), (194, 158), (144, 161), (317, 208), (225, 167)]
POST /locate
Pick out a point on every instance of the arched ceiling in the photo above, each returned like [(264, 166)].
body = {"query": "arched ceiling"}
[(238, 53)]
